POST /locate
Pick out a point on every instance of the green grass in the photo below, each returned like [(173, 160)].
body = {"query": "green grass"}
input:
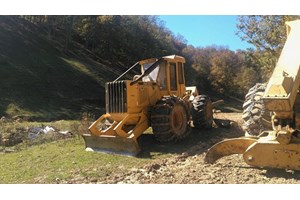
[(48, 160), (66, 161), (60, 160), (63, 161)]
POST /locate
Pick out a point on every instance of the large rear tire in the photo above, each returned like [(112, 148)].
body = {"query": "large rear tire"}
[(169, 119), (256, 118), (202, 112)]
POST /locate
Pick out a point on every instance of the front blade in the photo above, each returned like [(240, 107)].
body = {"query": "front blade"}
[(111, 144), (228, 147)]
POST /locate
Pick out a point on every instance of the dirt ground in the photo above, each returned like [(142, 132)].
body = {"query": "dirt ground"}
[(188, 167)]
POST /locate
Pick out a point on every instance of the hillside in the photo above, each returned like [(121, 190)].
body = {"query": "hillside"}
[(50, 72), (39, 80)]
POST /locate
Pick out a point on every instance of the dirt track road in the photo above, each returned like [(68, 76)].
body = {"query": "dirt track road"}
[(188, 167)]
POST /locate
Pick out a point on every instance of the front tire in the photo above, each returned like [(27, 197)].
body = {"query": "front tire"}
[(169, 119)]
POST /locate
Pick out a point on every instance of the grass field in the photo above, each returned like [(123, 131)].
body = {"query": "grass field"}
[(58, 161), (48, 160)]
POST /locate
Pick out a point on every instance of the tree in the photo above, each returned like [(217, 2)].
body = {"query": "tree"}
[(69, 30), (267, 33), (198, 65), (224, 64)]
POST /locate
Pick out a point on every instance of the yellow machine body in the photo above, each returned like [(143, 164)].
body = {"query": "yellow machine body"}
[(280, 147), (282, 88), (128, 103)]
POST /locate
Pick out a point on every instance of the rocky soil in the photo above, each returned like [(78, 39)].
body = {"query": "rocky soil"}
[(189, 168)]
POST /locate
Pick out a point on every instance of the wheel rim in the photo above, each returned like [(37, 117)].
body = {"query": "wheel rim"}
[(178, 119)]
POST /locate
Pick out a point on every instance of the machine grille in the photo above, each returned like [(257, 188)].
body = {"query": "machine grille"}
[(116, 97)]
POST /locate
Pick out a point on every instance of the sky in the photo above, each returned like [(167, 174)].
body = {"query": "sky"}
[(206, 30)]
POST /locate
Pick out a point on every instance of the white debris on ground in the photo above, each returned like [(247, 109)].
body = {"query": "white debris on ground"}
[(13, 133), (67, 133), (37, 131)]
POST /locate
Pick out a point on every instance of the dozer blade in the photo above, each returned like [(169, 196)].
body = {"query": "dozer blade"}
[(111, 144), (228, 147)]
